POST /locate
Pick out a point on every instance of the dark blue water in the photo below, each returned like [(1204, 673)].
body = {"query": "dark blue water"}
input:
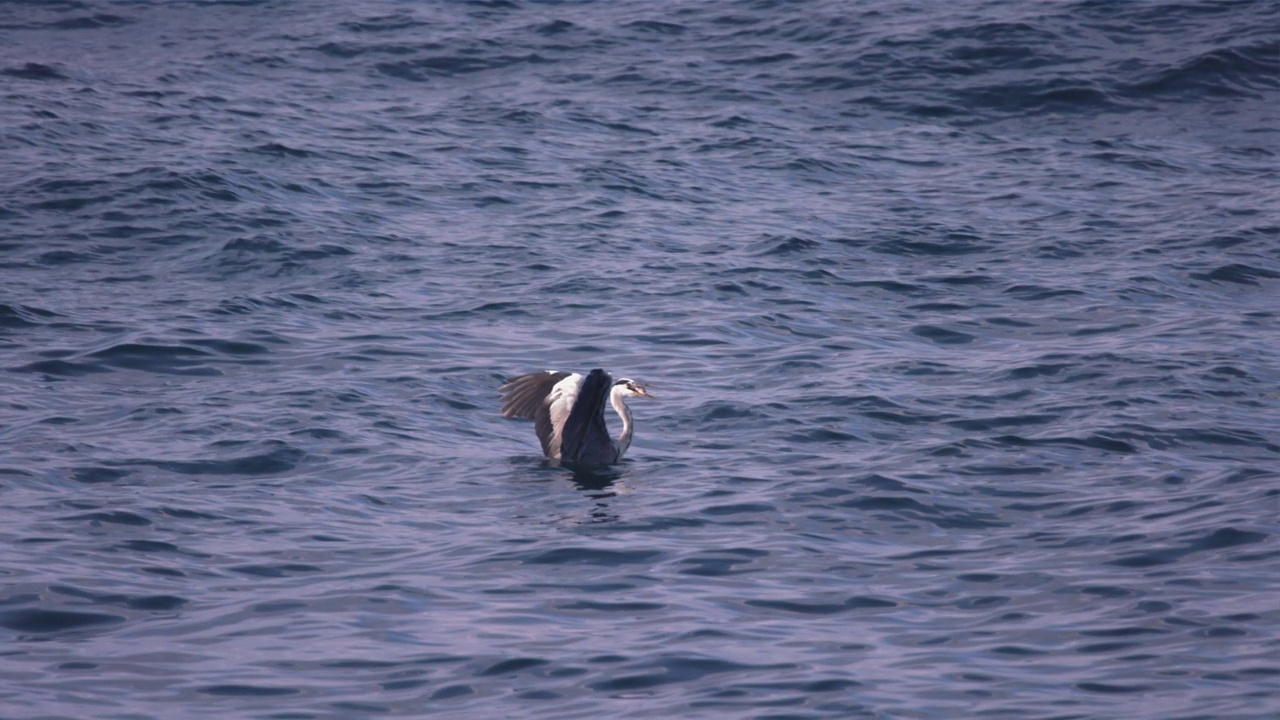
[(962, 319)]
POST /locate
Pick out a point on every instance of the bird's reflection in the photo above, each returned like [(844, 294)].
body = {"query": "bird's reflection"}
[(599, 482)]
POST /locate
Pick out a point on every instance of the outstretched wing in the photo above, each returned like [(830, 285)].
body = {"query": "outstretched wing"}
[(546, 398), (524, 396)]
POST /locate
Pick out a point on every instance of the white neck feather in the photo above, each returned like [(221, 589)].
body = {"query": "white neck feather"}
[(624, 412)]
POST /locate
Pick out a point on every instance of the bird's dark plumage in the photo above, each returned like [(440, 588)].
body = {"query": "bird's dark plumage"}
[(584, 432)]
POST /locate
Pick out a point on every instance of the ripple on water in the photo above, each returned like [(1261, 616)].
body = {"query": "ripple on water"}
[(41, 621), (961, 324)]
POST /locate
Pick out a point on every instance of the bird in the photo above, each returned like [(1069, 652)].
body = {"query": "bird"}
[(567, 410)]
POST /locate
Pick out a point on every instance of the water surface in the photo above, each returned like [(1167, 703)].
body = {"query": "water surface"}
[(962, 320)]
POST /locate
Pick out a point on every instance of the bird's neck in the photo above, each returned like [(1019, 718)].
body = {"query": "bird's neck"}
[(624, 412)]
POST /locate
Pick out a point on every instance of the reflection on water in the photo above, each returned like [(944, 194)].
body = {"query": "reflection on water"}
[(594, 480)]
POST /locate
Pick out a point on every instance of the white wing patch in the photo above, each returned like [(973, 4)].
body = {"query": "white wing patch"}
[(559, 403)]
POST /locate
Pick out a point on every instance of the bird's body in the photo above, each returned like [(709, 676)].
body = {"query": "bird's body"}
[(568, 413)]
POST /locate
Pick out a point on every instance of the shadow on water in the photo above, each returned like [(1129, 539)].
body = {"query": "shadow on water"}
[(600, 484), (598, 478), (596, 481)]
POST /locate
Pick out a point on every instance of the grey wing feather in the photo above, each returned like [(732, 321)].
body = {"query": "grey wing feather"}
[(529, 397), (526, 395)]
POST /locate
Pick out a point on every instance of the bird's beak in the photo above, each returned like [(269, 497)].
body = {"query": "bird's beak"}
[(642, 391)]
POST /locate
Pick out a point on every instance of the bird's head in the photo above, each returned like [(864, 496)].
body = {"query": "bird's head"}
[(631, 388)]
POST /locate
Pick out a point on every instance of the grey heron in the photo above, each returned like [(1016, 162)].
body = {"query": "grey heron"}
[(567, 410)]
